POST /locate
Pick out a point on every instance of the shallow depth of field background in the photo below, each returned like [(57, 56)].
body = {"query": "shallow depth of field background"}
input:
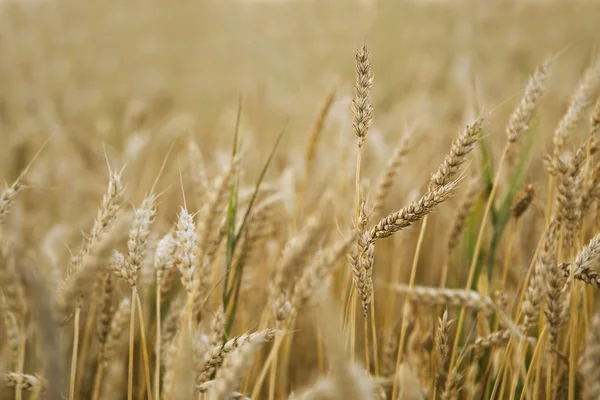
[(75, 68)]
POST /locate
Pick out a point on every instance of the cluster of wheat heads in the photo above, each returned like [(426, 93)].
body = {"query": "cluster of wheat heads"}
[(206, 302)]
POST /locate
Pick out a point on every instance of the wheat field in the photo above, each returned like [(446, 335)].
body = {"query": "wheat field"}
[(299, 200)]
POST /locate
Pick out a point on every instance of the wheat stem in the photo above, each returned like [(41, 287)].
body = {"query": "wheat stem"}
[(98, 380), (144, 347), (475, 257), (411, 283), (158, 343), (87, 336), (131, 343), (74, 355), (374, 333)]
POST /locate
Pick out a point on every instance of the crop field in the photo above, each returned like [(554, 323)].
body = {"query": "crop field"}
[(301, 199)]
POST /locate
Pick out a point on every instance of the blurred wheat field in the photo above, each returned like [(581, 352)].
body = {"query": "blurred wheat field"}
[(230, 200)]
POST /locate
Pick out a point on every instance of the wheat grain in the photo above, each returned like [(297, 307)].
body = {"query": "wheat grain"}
[(555, 304), (536, 290), (105, 308), (445, 297), (587, 256), (12, 332), (391, 170), (459, 150), (522, 201), (217, 354), (8, 195), (580, 100), (232, 371), (115, 340), (461, 215), (217, 327), (315, 131), (519, 120), (29, 383), (590, 361), (595, 118), (411, 213), (186, 249), (316, 274), (586, 275), (362, 109), (442, 350), (164, 257), (111, 204)]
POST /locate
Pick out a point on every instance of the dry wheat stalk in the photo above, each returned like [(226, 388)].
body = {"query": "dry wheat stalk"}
[(282, 307), (11, 282), (29, 383), (411, 213), (115, 341), (111, 204), (590, 361), (555, 303), (215, 356), (592, 191), (172, 324), (137, 243), (459, 150), (419, 346), (569, 186), (217, 327), (197, 168), (519, 120), (361, 261), (536, 290), (462, 213), (390, 352), (105, 308), (595, 118), (296, 251), (232, 371), (12, 332), (522, 201), (586, 256), (169, 355), (391, 169), (498, 338), (445, 297), (117, 265), (8, 196), (579, 102), (138, 238), (316, 274), (79, 283), (168, 282), (209, 235), (472, 387), (362, 108), (315, 131), (186, 245), (210, 214), (164, 257), (442, 349), (258, 232), (335, 386), (586, 275), (453, 385)]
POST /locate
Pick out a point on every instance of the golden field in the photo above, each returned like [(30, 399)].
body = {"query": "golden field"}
[(230, 200)]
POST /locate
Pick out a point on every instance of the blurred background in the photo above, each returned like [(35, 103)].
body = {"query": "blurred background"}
[(128, 78)]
